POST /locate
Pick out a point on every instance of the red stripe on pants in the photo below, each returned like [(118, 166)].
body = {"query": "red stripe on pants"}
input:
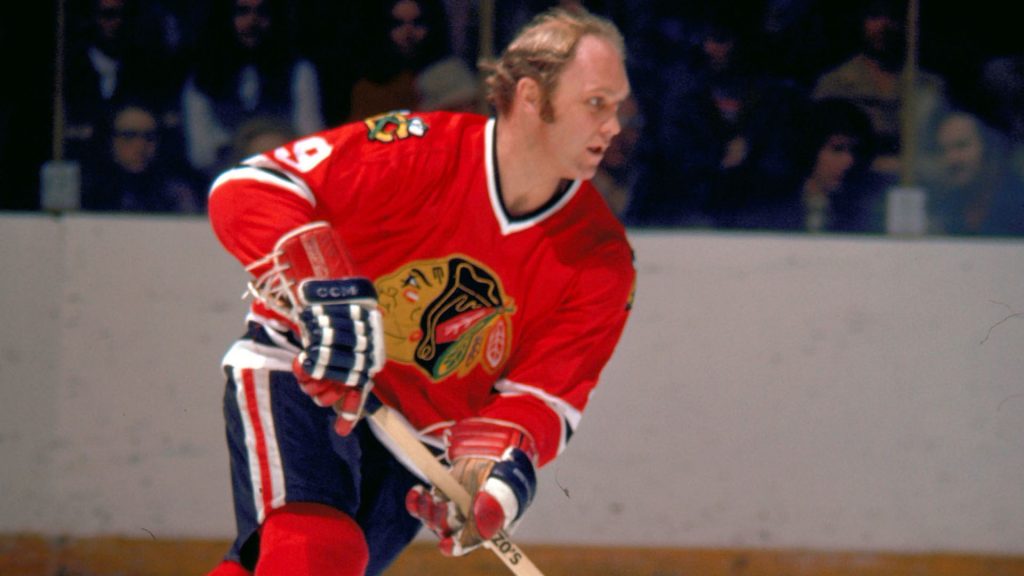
[(266, 490)]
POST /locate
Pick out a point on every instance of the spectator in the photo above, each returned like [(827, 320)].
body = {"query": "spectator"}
[(414, 35), (254, 136), (109, 61), (978, 193), (131, 174), (871, 79), (1002, 84), (721, 139), (248, 68), (257, 136), (449, 85), (832, 189)]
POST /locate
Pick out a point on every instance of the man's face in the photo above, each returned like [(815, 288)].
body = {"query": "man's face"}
[(883, 36), (835, 158), (586, 103), (135, 140), (252, 21), (109, 19), (961, 150), (407, 28)]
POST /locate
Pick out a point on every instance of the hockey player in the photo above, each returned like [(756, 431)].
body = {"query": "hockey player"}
[(483, 265)]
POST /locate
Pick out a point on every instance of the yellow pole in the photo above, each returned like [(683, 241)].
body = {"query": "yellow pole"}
[(486, 49)]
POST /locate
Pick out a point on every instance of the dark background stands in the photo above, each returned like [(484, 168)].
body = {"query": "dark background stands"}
[(784, 47)]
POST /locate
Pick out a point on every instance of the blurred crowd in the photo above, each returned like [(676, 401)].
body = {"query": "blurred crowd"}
[(795, 115)]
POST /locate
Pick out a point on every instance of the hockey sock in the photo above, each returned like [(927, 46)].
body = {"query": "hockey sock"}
[(311, 539), (229, 568)]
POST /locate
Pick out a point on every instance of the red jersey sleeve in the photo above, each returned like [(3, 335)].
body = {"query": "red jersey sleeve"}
[(340, 175), (253, 204)]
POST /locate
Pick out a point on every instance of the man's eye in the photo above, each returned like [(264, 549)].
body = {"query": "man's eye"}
[(596, 102)]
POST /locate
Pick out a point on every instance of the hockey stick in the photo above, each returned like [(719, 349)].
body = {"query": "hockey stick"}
[(399, 433), (314, 252)]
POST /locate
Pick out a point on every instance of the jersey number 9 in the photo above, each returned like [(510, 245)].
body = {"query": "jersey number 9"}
[(303, 155)]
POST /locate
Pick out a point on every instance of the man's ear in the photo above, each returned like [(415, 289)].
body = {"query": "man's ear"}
[(528, 93)]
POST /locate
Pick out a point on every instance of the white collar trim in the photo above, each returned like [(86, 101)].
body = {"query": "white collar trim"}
[(509, 226)]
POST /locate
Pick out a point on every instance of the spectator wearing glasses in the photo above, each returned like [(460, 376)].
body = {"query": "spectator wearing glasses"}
[(132, 174)]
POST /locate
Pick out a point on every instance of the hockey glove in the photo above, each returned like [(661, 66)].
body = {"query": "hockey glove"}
[(494, 460), (310, 278), (342, 345)]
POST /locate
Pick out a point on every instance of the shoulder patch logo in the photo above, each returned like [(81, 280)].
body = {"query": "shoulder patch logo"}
[(446, 316), (392, 126)]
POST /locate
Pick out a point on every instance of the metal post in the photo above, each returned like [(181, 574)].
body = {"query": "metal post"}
[(906, 203), (58, 83)]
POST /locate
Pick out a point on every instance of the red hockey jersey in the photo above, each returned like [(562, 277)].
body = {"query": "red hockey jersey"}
[(484, 314)]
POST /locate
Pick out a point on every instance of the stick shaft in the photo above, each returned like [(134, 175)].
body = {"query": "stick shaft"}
[(438, 474)]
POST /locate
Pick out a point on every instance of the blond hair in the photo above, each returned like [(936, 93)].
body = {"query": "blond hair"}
[(541, 51)]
